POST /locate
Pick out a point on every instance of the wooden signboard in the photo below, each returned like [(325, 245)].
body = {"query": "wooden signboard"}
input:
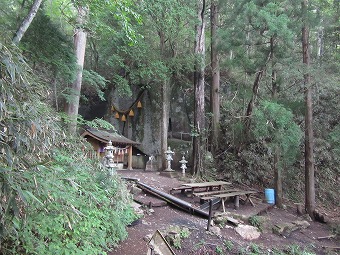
[(159, 246)]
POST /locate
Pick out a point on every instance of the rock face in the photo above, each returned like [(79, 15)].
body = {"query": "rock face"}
[(145, 126), (215, 230), (286, 229), (248, 232)]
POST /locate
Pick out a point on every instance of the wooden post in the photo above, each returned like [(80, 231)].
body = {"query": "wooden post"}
[(130, 158), (210, 214)]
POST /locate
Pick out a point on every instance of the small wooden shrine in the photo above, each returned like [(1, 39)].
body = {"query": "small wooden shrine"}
[(99, 139)]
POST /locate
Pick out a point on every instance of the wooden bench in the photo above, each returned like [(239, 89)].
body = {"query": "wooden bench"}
[(236, 195), (206, 205), (182, 189), (213, 192)]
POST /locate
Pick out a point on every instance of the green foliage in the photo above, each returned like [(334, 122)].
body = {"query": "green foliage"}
[(242, 251), (209, 163), (254, 23), (144, 64), (228, 244), (94, 81), (52, 201), (334, 137), (185, 233), (47, 45), (276, 251), (219, 250), (100, 15), (96, 123), (176, 239), (275, 125), (25, 135), (122, 85), (255, 162), (177, 243), (297, 250), (257, 221), (100, 123), (71, 205), (255, 249)]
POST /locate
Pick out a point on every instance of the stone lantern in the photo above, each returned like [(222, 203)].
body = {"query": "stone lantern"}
[(109, 155), (168, 154), (183, 165)]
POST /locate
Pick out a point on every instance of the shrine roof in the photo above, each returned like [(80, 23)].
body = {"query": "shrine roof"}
[(105, 136)]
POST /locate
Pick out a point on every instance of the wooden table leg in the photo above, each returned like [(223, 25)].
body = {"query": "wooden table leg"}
[(222, 201), (237, 202), (249, 199), (191, 193)]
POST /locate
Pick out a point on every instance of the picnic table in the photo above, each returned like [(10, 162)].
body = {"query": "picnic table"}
[(207, 186), (236, 195)]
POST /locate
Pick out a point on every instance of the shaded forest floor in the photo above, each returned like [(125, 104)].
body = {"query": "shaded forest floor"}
[(316, 238)]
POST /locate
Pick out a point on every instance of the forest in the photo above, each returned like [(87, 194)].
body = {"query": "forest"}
[(255, 84)]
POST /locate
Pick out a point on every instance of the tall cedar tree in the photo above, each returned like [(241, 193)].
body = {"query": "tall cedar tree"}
[(309, 137), (215, 84), (72, 106), (199, 116)]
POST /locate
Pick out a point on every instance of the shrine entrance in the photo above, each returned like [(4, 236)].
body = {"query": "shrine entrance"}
[(124, 148)]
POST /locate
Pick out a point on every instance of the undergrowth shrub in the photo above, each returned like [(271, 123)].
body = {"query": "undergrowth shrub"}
[(52, 199), (69, 206), (250, 160), (257, 221)]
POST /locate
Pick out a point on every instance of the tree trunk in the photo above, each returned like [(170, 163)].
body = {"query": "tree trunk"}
[(320, 42), (165, 95), (276, 164), (215, 86), (199, 116), (26, 22), (309, 137), (251, 103), (165, 121), (274, 82), (72, 106), (278, 178), (55, 92)]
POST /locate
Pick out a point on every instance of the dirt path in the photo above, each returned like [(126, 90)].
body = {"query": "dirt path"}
[(227, 240)]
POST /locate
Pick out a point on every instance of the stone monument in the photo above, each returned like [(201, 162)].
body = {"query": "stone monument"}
[(168, 157), (168, 172), (108, 158), (183, 165), (150, 164)]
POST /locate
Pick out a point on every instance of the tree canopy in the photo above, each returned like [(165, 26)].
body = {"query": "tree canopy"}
[(155, 48)]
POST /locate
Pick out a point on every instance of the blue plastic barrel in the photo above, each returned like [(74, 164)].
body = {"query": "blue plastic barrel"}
[(270, 196)]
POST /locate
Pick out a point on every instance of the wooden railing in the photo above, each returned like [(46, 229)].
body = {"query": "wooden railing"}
[(92, 155)]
